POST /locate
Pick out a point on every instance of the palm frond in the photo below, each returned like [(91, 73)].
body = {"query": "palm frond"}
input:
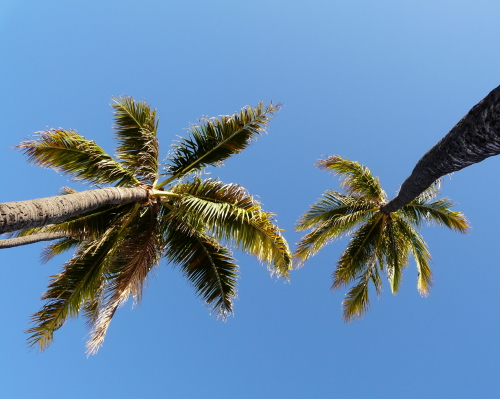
[(214, 140), (395, 248), (70, 153), (422, 257), (360, 253), (332, 204), (58, 247), (328, 231), (437, 212), (140, 252), (207, 265), (357, 179), (81, 280), (357, 300), (231, 214), (135, 128)]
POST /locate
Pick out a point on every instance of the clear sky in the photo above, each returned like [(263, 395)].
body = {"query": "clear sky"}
[(379, 82)]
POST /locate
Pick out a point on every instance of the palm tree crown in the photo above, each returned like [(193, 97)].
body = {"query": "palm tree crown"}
[(184, 218), (379, 242)]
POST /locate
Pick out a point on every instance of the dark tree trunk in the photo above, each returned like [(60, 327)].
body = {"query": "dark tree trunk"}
[(41, 212), (25, 240), (473, 139)]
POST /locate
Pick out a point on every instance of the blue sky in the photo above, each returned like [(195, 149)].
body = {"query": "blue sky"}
[(376, 82)]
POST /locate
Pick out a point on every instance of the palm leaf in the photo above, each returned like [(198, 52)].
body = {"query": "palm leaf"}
[(82, 159), (126, 274), (214, 140), (135, 128), (361, 251), (231, 214), (357, 179), (332, 204), (80, 281), (436, 212), (207, 265)]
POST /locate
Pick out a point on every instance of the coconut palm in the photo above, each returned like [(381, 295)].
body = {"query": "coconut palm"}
[(183, 218), (379, 243), (473, 139)]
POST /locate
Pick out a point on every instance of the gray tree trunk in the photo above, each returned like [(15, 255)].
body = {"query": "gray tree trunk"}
[(41, 212), (25, 240), (473, 139)]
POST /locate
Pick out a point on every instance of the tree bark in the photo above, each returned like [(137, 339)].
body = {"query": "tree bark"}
[(25, 240), (473, 139), (41, 212)]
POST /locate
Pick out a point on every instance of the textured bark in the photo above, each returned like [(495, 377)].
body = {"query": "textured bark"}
[(25, 240), (41, 212), (473, 139)]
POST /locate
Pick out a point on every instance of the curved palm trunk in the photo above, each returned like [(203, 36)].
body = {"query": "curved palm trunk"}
[(41, 212), (25, 240), (473, 139)]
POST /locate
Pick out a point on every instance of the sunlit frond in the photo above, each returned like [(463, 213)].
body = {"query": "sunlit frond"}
[(207, 265), (356, 179), (82, 159), (437, 212), (232, 215), (135, 128), (332, 204), (357, 300), (214, 140), (361, 251), (81, 280), (126, 274)]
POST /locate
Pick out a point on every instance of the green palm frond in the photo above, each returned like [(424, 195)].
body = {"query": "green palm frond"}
[(207, 265), (357, 300), (422, 257), (82, 159), (58, 247), (332, 204), (328, 231), (81, 280), (436, 212), (126, 274), (357, 179), (214, 140), (361, 251), (135, 129), (396, 251), (232, 215)]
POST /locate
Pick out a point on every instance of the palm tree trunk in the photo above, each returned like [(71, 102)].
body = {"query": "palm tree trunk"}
[(473, 139), (25, 240), (41, 212)]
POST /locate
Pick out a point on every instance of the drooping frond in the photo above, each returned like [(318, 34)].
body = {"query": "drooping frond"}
[(357, 300), (421, 254), (332, 204), (82, 159), (395, 249), (419, 211), (357, 179), (360, 253), (214, 140), (58, 247), (81, 280), (331, 217), (140, 252), (135, 128), (232, 215), (207, 265)]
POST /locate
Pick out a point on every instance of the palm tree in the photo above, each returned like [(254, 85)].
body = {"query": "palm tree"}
[(184, 218), (473, 139), (379, 242)]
